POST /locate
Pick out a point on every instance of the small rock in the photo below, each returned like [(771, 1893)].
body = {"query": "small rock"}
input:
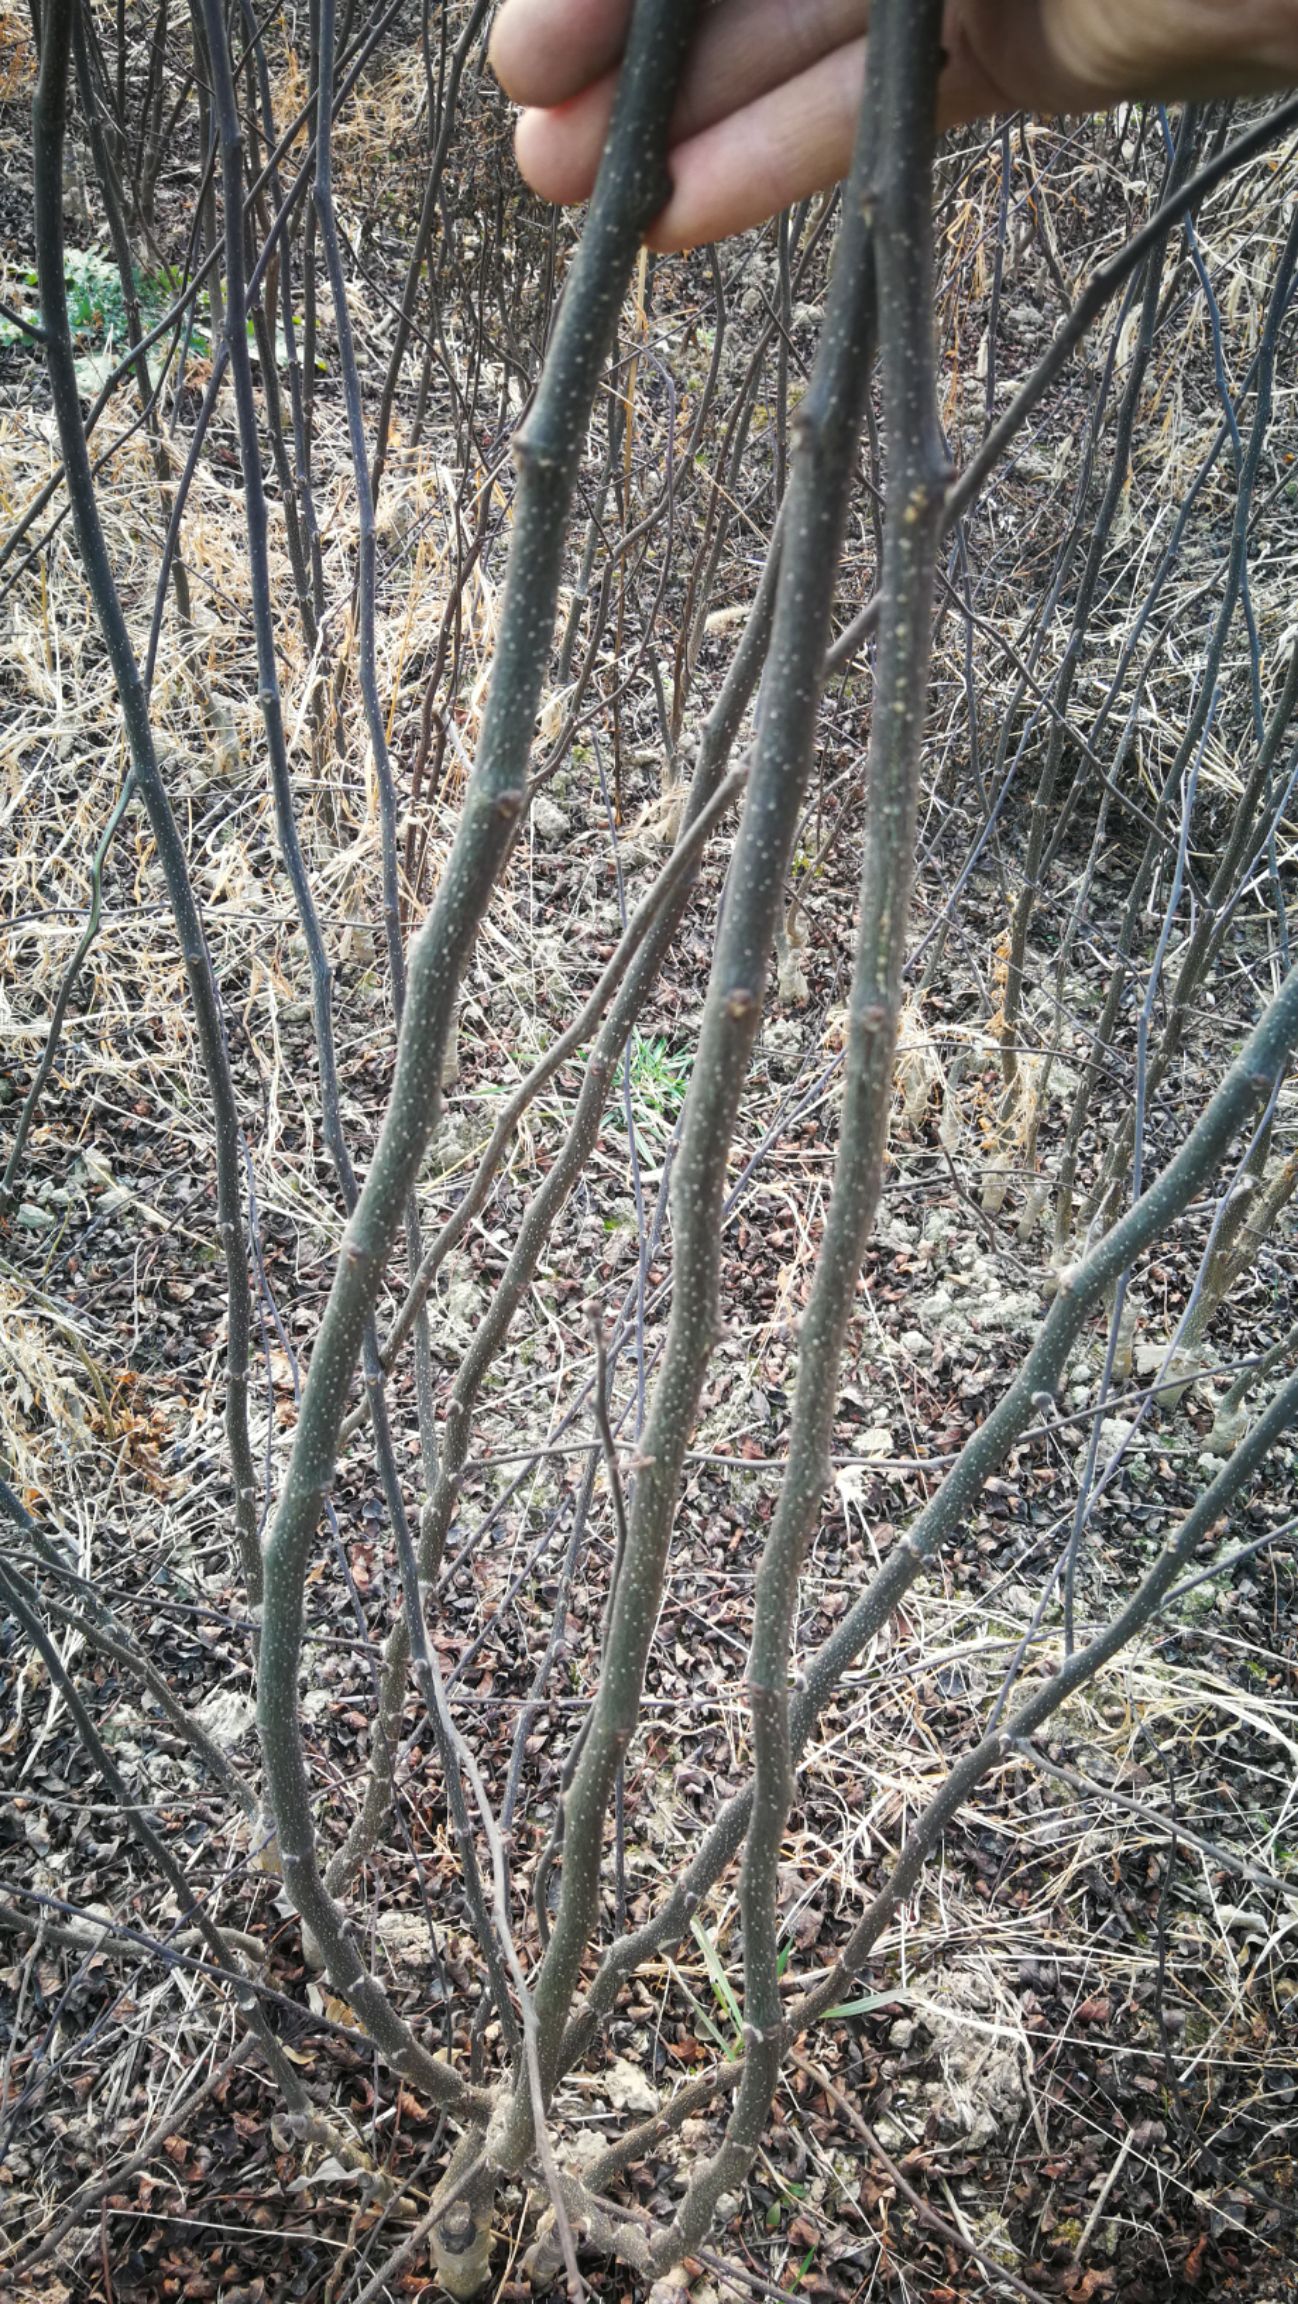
[(627, 2089), (673, 2288), (548, 821), (1115, 1432), (404, 1937), (584, 2148), (227, 1715), (457, 1139), (32, 1218), (892, 2137), (84, 1923)]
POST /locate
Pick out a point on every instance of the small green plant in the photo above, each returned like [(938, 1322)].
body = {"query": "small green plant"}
[(96, 303), (660, 1076), (723, 1991), (96, 311), (98, 318)]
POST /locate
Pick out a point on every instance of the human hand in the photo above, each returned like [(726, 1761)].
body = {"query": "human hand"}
[(768, 109)]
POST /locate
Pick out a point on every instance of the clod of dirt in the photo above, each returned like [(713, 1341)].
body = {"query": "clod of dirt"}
[(548, 820), (227, 1715), (983, 2054)]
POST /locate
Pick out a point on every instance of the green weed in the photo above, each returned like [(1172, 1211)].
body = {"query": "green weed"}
[(660, 1075)]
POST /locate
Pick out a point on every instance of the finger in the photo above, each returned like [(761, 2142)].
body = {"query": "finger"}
[(544, 51), (558, 149), (791, 142), (1215, 47), (744, 146), (794, 140), (747, 48)]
